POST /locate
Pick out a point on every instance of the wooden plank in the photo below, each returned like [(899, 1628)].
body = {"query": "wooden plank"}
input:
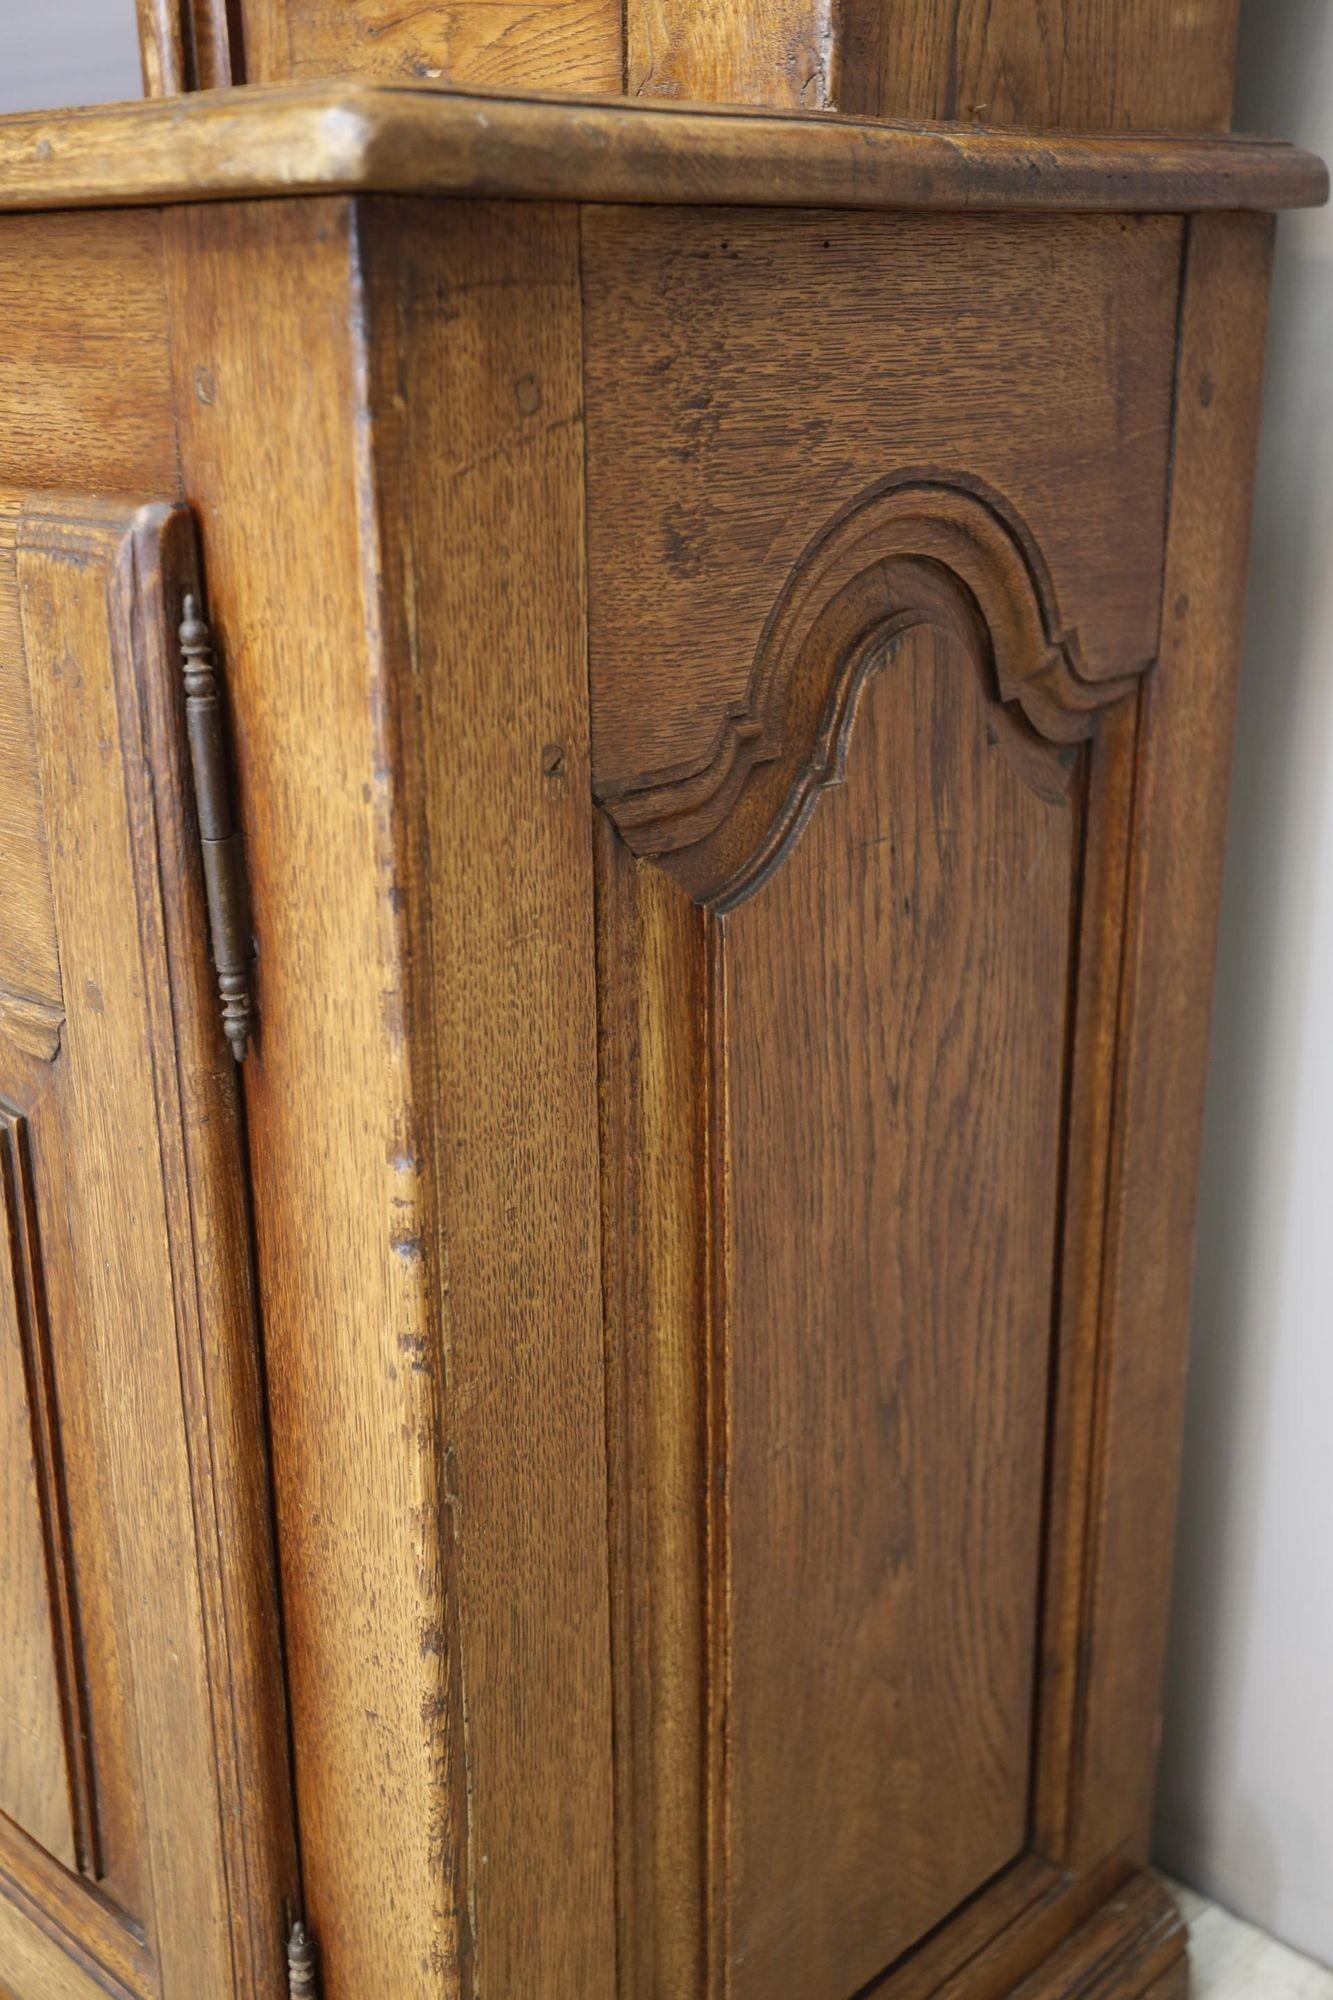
[(1186, 724), (270, 368), (1070, 65), (787, 53), (84, 385), (397, 139), (565, 45), (479, 479), (428, 1249)]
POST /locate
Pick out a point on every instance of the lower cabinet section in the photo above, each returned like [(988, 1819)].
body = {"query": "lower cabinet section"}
[(637, 1429)]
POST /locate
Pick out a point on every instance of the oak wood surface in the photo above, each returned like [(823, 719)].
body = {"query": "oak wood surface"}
[(1144, 65), (346, 136), (143, 1389), (36, 1740), (564, 45), (893, 1173), (269, 363), (1067, 65), (718, 326), (1183, 762), (443, 1433), (785, 53), (474, 325), (29, 958)]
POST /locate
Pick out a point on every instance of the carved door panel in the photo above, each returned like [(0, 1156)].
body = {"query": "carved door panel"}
[(145, 1839), (866, 748)]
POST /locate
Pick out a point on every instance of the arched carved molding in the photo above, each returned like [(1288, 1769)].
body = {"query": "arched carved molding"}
[(918, 550)]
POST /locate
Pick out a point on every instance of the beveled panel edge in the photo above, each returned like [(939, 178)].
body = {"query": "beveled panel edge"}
[(401, 138)]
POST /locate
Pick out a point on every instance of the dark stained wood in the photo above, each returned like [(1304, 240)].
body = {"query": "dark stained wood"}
[(1070, 65), (1134, 1945), (362, 137), (893, 1124), (1186, 726)]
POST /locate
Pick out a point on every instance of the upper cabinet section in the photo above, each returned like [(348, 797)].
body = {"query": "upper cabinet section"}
[(68, 52), (1141, 66)]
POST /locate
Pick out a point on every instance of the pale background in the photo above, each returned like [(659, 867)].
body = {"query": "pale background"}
[(1247, 1785), (1247, 1775)]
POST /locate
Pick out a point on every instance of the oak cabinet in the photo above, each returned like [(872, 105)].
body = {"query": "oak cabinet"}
[(655, 1386)]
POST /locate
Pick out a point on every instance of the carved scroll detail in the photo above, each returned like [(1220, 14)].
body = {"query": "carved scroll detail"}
[(918, 550)]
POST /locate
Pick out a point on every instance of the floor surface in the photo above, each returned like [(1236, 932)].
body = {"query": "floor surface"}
[(1234, 1961)]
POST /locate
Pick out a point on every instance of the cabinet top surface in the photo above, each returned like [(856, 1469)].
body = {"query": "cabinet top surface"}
[(408, 139)]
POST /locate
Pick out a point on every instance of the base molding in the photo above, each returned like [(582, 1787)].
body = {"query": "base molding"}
[(1132, 1948)]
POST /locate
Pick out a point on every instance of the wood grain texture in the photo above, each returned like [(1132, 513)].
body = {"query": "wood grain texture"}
[(269, 364), (92, 1639), (160, 1270), (893, 1123), (1070, 65), (1186, 725), (799, 367), (83, 356), (780, 52), (434, 1214), (562, 45), (189, 45), (29, 956), (361, 137), (39, 1711), (1133, 1946), (474, 325)]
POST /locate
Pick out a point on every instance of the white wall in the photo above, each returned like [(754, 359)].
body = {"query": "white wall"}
[(1247, 1778), (55, 52)]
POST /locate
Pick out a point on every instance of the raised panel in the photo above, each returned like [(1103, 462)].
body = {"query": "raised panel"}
[(837, 1090), (145, 1836), (891, 1018), (41, 1733)]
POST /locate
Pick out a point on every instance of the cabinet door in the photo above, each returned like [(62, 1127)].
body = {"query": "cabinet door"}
[(145, 1832)]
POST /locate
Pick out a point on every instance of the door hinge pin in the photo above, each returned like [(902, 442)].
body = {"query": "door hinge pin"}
[(302, 1979), (219, 840)]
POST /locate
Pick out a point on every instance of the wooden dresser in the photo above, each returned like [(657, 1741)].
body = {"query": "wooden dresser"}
[(664, 677)]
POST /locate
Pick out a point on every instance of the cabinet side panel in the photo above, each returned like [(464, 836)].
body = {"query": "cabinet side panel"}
[(1186, 726), (478, 392)]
